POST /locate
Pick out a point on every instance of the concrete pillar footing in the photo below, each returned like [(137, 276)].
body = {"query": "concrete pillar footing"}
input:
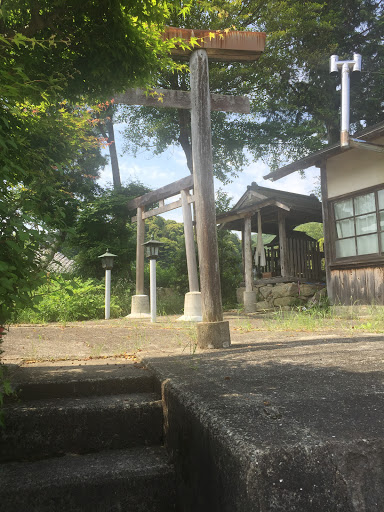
[(192, 308), (213, 335), (249, 302), (139, 307)]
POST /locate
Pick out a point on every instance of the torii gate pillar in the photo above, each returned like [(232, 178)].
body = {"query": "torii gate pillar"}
[(212, 332), (140, 301)]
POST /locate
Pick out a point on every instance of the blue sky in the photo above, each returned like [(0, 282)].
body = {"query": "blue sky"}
[(157, 171)]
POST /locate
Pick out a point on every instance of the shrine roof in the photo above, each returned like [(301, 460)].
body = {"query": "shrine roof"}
[(298, 209)]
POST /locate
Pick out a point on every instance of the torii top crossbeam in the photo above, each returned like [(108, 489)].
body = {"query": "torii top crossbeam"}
[(220, 45)]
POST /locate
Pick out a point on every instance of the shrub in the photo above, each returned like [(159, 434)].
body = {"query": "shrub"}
[(171, 303), (67, 300)]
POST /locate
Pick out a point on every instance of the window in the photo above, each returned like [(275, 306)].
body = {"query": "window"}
[(359, 225)]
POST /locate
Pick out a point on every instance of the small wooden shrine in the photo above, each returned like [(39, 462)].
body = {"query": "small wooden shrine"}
[(291, 255)]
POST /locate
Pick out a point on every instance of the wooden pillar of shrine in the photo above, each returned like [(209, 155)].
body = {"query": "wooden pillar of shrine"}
[(249, 294), (283, 245)]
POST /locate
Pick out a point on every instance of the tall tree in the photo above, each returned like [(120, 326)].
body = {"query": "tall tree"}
[(295, 101), (99, 47), (298, 108)]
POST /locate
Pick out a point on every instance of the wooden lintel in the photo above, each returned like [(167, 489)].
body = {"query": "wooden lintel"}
[(250, 210), (169, 98), (162, 193), (282, 206), (230, 218), (220, 45), (163, 209)]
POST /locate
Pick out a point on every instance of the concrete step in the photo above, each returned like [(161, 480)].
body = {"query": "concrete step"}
[(45, 428), (33, 383), (133, 480)]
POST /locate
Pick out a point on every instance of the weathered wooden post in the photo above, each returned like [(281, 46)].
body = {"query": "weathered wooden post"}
[(213, 332), (249, 294), (140, 301), (283, 246)]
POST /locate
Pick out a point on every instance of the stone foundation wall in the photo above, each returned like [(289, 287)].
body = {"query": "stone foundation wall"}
[(284, 295)]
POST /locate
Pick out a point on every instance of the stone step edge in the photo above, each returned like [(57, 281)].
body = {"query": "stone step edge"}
[(80, 403), (80, 388), (83, 482), (46, 428)]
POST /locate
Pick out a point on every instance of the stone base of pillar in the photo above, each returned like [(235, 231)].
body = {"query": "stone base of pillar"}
[(139, 307), (213, 335), (192, 308), (249, 302)]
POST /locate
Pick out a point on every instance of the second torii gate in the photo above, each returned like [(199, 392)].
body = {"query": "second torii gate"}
[(140, 303), (213, 332)]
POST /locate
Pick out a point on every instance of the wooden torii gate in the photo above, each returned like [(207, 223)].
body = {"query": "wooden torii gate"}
[(212, 332), (192, 304)]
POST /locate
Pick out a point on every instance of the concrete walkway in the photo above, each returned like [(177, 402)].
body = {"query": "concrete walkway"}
[(277, 422)]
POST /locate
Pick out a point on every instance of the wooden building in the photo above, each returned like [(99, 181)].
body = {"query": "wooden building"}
[(352, 186), (292, 255)]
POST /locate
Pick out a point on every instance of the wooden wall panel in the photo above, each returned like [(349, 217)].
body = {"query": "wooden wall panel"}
[(357, 286)]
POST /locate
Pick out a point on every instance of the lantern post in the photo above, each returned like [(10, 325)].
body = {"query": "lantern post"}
[(152, 251), (107, 263)]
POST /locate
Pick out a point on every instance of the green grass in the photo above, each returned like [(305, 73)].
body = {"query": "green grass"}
[(319, 318)]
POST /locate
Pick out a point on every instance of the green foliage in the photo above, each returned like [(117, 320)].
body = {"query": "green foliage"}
[(170, 303), (297, 108), (50, 153), (48, 164), (105, 223), (122, 289), (266, 239), (52, 52), (99, 47), (172, 263), (231, 268), (307, 318), (67, 300), (313, 229), (230, 257)]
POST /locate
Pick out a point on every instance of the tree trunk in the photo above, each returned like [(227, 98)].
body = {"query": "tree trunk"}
[(185, 136), (113, 155), (333, 133)]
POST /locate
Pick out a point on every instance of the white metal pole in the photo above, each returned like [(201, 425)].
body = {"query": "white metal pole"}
[(152, 286), (107, 293), (345, 107)]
